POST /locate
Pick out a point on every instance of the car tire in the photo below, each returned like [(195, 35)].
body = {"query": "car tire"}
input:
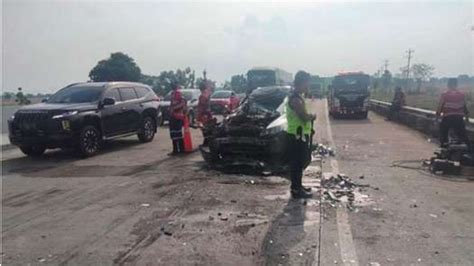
[(146, 132), (89, 141), (365, 115), (33, 151)]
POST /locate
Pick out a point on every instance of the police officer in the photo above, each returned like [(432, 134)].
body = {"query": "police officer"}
[(453, 107), (299, 132)]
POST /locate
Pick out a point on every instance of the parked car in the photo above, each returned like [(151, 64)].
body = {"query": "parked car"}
[(82, 115), (190, 95), (253, 137), (224, 101)]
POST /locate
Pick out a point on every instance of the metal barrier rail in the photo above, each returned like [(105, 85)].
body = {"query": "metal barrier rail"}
[(420, 119), (428, 113)]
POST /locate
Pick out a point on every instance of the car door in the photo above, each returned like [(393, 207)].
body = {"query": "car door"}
[(112, 114), (130, 108)]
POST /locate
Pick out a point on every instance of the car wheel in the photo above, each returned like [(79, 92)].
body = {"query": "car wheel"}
[(146, 133), (89, 141), (364, 115), (33, 151)]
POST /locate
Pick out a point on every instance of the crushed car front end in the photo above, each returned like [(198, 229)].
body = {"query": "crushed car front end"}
[(252, 138)]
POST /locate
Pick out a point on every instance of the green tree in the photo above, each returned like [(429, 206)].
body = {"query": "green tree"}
[(421, 73), (118, 67), (8, 95)]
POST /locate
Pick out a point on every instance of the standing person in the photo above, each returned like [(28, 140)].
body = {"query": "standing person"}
[(204, 115), (397, 103), (203, 108), (299, 132), (453, 108), (178, 112)]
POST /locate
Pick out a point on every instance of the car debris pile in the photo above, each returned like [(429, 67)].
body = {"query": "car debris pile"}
[(342, 189), (323, 150), (451, 160), (253, 138)]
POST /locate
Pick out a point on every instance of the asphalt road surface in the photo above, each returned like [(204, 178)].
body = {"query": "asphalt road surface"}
[(134, 205)]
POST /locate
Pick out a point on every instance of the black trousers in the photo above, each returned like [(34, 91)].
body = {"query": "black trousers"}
[(394, 111), (298, 152), (455, 122), (176, 135)]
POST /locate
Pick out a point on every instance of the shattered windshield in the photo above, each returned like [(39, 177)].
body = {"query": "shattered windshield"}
[(267, 99)]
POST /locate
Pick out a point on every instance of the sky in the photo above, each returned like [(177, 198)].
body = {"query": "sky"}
[(49, 44)]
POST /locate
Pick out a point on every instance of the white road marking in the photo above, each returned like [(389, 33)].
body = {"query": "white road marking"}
[(346, 244)]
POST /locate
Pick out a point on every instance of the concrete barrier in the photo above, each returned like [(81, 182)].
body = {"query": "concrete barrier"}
[(419, 119)]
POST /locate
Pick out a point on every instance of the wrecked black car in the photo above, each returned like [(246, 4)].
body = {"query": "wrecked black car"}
[(253, 137)]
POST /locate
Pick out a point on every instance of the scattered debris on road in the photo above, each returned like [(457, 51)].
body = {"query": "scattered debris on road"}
[(341, 188), (323, 150)]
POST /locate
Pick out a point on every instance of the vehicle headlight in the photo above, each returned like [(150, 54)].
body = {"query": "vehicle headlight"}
[(65, 114), (12, 117), (277, 126)]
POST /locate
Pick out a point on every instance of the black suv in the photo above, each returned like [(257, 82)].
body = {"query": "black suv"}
[(82, 115)]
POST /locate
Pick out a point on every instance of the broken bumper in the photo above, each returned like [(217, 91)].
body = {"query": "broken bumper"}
[(266, 153)]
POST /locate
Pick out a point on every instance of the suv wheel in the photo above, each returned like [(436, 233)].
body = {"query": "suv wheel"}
[(146, 133), (33, 151), (89, 141)]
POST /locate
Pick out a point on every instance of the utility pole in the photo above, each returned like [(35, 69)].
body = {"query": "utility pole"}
[(409, 52)]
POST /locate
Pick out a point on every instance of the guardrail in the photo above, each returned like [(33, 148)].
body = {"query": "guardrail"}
[(420, 119)]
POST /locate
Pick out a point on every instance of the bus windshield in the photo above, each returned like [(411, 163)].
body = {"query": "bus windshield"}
[(261, 78)]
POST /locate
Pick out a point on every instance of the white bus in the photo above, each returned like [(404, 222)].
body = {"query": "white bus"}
[(268, 76)]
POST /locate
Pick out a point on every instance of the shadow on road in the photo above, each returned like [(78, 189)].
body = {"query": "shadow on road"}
[(285, 232), (350, 121), (57, 158)]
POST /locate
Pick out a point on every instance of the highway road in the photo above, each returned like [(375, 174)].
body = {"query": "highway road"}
[(134, 205)]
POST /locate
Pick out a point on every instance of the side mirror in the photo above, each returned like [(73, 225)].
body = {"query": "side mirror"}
[(44, 100), (108, 101)]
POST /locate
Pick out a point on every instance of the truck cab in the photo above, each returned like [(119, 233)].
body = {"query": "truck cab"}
[(349, 95)]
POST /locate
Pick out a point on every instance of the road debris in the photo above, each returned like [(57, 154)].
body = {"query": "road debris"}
[(433, 215), (145, 205), (340, 188), (323, 150)]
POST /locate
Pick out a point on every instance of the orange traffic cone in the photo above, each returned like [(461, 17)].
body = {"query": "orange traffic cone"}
[(188, 142)]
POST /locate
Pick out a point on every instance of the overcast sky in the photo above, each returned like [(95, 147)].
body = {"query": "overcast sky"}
[(49, 44)]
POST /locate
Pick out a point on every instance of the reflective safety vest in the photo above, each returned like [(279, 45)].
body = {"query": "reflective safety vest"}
[(296, 126)]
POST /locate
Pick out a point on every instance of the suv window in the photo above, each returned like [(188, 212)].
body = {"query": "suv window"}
[(127, 94), (141, 91), (77, 94), (113, 93)]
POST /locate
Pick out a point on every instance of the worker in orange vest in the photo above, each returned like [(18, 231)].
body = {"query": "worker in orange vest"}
[(453, 108), (177, 114)]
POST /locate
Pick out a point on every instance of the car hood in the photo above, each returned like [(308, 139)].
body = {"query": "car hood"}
[(58, 106)]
